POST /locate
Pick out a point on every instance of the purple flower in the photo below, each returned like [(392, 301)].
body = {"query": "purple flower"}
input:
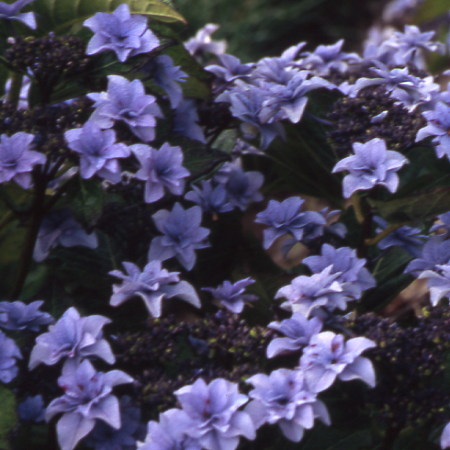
[(87, 397), (436, 251), (445, 437), (9, 353), (213, 409), (438, 281), (230, 68), (126, 101), (298, 331), (210, 199), (328, 356), (98, 151), (160, 169), (17, 160), (72, 337), (20, 316), (170, 433), (185, 121), (370, 166), (442, 225), (231, 295), (284, 398), (286, 217), (202, 42), (153, 285), (439, 127), (326, 58), (32, 409), (320, 290), (352, 275), (182, 235), (59, 228), (11, 11), (127, 35)]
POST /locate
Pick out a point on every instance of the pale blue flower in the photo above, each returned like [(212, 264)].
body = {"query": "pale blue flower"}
[(210, 199), (9, 354), (445, 437), (230, 68), (438, 282), (436, 251), (21, 316), (160, 169), (285, 399), (329, 356), (11, 11), (153, 284), (216, 422), (98, 151), (125, 34), (31, 410), (185, 121), (126, 101), (182, 235), (72, 337), (370, 166), (87, 398), (17, 160), (203, 43)]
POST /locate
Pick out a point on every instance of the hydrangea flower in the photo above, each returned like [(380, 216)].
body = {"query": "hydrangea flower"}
[(210, 199), (370, 166), (98, 151), (170, 433), (353, 277), (125, 34), (21, 316), (17, 160), (152, 284), (59, 228), (185, 121), (308, 294), (438, 281), (126, 101), (9, 354), (11, 11), (72, 337), (286, 217), (212, 408), (436, 251), (284, 398), (31, 410), (329, 356), (298, 331), (230, 68), (160, 169), (231, 295), (87, 398), (438, 126), (202, 42), (182, 235), (445, 437), (442, 225)]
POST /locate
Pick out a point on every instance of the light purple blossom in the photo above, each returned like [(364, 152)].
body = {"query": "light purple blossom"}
[(308, 294), (87, 398), (9, 354), (216, 423), (370, 166), (125, 34), (445, 437), (353, 277), (31, 409), (297, 330), (59, 228), (329, 356), (182, 235), (185, 121), (438, 281), (11, 11), (210, 199), (72, 337), (442, 225), (17, 160), (326, 58), (286, 217), (230, 68), (436, 251), (284, 398), (126, 101), (98, 151), (203, 43), (438, 126), (153, 284), (160, 169), (231, 295), (21, 316), (170, 433)]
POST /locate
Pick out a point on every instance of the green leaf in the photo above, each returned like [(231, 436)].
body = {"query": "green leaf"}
[(7, 416), (431, 9), (61, 15)]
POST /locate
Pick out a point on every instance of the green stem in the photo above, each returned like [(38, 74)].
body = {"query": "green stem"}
[(14, 91), (357, 208), (384, 233)]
